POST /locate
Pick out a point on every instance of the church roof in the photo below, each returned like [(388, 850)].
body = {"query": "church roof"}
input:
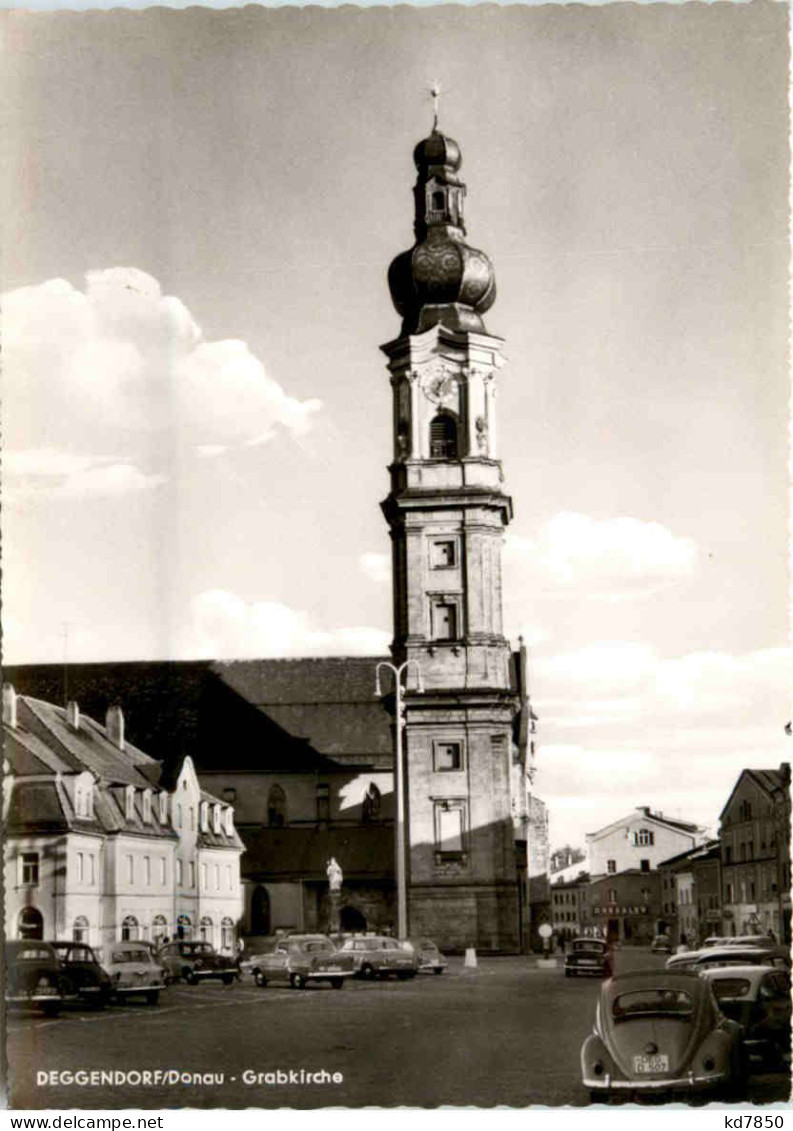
[(301, 715)]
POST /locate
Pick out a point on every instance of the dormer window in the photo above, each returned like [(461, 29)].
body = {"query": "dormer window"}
[(204, 817), (216, 818), (147, 806), (229, 822), (130, 802), (163, 808)]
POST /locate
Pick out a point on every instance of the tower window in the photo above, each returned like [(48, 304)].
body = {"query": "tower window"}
[(443, 555), (444, 621), (438, 201), (443, 437), (323, 804), (450, 831), (447, 755)]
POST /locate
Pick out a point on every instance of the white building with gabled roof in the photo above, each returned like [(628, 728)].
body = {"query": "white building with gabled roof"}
[(93, 849), (642, 840)]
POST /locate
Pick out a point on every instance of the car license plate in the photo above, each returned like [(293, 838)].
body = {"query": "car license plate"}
[(643, 1065), (588, 962), (334, 969)]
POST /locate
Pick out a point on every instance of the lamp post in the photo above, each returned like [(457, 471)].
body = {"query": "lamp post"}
[(399, 785)]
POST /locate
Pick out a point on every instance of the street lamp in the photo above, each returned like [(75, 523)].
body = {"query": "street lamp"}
[(402, 917)]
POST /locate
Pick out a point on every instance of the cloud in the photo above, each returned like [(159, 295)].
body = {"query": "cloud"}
[(620, 725), (45, 471), (377, 567), (224, 626), (121, 368), (615, 559)]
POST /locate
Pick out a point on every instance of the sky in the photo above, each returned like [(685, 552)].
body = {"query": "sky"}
[(202, 207)]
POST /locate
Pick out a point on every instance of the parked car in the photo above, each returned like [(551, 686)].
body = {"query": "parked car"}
[(661, 944), (715, 940), (133, 972), (661, 1033), (743, 956), (751, 940), (429, 958), (380, 956), (758, 998), (298, 960), (588, 957), (84, 976), (195, 962), (685, 960), (33, 976)]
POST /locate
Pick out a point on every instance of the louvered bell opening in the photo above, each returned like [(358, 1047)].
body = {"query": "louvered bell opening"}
[(443, 438)]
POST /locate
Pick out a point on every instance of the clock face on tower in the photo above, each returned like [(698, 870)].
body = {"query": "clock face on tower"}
[(440, 385)]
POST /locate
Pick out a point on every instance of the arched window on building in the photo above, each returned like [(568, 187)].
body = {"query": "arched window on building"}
[(184, 927), (277, 815), (159, 928), (371, 803), (227, 933), (443, 436), (80, 929), (30, 924), (129, 929), (205, 929)]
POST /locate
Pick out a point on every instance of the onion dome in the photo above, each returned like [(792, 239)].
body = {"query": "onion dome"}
[(441, 279)]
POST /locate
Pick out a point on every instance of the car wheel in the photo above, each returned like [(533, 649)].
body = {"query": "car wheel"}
[(152, 997), (367, 971), (382, 975), (597, 1098), (227, 979), (568, 973), (403, 975), (297, 981), (438, 970), (337, 983), (190, 978), (51, 1008)]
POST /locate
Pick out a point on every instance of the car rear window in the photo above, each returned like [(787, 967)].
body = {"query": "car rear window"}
[(589, 944), (33, 954), (730, 987), (316, 947), (669, 1002), (120, 956)]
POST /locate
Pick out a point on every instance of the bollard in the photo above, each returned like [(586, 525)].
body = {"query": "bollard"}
[(470, 957)]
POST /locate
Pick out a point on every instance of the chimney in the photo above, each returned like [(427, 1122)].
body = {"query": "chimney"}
[(114, 725), (73, 715), (9, 706)]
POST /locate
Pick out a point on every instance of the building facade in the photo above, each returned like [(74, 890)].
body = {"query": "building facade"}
[(641, 840), (625, 907), (465, 721), (691, 894), (96, 849), (567, 901), (755, 854)]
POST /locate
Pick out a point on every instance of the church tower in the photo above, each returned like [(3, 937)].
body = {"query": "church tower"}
[(447, 511)]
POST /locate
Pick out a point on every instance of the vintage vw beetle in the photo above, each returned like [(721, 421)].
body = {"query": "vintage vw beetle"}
[(660, 1033), (588, 957), (298, 960), (758, 998), (33, 976)]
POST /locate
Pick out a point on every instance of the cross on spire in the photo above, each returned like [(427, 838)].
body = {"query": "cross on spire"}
[(435, 91)]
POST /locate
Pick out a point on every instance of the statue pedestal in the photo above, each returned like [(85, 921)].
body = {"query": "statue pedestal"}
[(333, 917)]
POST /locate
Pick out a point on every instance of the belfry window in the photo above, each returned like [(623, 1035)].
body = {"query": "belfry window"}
[(444, 620), (443, 437), (438, 201)]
